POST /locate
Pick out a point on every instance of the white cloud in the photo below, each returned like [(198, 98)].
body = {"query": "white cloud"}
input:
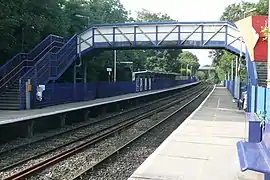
[(184, 10)]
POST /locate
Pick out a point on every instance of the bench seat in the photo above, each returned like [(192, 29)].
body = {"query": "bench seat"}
[(256, 156), (253, 156)]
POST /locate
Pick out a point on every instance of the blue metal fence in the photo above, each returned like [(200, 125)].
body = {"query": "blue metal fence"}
[(59, 93), (258, 98)]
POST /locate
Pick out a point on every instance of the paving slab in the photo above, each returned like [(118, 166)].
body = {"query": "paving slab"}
[(203, 147)]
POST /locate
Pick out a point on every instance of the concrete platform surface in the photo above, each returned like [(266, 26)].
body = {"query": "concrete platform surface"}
[(7, 117), (203, 147)]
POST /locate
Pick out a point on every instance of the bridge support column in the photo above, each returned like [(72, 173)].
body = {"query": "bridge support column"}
[(63, 120), (30, 128)]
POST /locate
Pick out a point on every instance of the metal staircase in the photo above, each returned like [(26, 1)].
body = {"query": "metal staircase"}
[(261, 68), (14, 69)]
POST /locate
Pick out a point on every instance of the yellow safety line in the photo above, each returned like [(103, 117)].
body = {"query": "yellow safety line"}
[(206, 148)]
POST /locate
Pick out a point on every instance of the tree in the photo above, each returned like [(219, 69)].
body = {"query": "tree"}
[(187, 58), (234, 12), (147, 16)]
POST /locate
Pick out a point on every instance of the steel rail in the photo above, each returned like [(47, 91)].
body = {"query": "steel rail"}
[(96, 122), (61, 156), (79, 175)]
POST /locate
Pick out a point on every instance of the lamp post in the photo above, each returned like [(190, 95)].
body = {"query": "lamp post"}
[(114, 66), (86, 17)]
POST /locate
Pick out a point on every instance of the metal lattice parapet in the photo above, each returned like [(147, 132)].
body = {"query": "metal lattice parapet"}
[(184, 35)]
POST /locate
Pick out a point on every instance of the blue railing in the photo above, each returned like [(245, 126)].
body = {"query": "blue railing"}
[(49, 67), (22, 62), (64, 58)]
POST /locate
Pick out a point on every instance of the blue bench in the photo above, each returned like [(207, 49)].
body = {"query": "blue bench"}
[(256, 156)]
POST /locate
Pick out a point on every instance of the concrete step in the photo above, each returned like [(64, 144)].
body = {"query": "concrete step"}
[(6, 98), (9, 105), (13, 90)]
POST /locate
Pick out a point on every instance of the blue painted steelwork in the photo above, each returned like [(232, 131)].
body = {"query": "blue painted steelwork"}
[(54, 91), (158, 23), (253, 96), (11, 71), (260, 100), (252, 81), (184, 35), (49, 67), (230, 86), (254, 128), (267, 103)]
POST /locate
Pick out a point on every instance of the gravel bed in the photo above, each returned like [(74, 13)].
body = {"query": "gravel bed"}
[(70, 167), (57, 141), (122, 165), (28, 140), (21, 167)]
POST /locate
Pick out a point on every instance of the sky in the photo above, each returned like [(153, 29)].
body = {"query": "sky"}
[(184, 10)]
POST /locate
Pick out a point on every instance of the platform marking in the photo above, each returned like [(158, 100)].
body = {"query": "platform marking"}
[(210, 135)]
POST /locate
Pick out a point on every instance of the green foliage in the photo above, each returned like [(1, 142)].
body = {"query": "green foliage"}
[(201, 75), (262, 115), (24, 23), (262, 7), (234, 12)]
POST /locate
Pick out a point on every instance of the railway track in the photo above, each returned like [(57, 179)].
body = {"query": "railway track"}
[(72, 133), (99, 136), (93, 121), (117, 153)]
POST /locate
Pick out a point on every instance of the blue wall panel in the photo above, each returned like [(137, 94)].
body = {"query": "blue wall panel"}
[(59, 93), (260, 99), (252, 100), (267, 103)]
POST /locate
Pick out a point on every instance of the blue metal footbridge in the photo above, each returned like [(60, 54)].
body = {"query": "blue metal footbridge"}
[(51, 58)]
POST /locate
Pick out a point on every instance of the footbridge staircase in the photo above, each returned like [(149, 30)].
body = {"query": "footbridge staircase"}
[(51, 58)]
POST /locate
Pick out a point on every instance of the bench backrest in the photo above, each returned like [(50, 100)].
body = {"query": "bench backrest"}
[(266, 136)]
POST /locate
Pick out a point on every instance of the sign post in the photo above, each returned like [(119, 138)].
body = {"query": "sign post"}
[(109, 70)]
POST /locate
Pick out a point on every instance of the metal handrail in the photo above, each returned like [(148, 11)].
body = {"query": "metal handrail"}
[(29, 60), (23, 68), (64, 49), (9, 61)]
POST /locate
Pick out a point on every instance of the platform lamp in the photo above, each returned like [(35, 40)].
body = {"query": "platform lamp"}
[(86, 17)]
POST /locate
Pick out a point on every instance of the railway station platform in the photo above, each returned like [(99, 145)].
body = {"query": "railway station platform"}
[(203, 147), (8, 117)]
